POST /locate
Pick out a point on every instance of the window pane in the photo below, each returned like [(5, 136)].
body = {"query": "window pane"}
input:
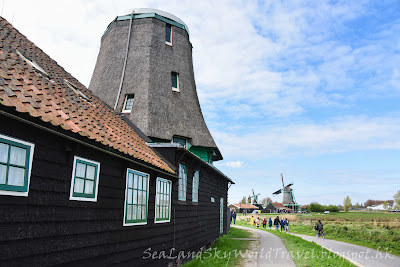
[(16, 176), (80, 170), (144, 196), (130, 180), (139, 212), (89, 187), (168, 33), (17, 156), (140, 197), (78, 187), (135, 195), (90, 171), (145, 183), (135, 181), (174, 79), (134, 213), (3, 170), (3, 152), (130, 192), (129, 212), (143, 212)]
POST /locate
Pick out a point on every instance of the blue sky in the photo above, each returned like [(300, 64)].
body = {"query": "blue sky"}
[(310, 89)]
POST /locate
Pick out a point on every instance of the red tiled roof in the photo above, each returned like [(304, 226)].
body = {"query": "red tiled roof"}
[(280, 206), (54, 102), (245, 206)]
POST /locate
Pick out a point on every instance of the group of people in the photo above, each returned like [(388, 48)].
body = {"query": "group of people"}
[(283, 223)]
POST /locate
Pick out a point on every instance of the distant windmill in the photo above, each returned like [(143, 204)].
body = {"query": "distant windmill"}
[(288, 196), (255, 197)]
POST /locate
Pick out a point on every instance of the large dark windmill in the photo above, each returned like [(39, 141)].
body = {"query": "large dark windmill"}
[(289, 200)]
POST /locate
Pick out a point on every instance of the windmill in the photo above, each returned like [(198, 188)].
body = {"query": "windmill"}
[(289, 200), (255, 197)]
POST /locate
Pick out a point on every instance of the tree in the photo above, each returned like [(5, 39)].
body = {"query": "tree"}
[(357, 206), (243, 201), (249, 200), (315, 207), (396, 198), (347, 204), (266, 201), (333, 208), (385, 205)]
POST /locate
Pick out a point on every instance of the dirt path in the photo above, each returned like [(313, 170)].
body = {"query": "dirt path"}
[(358, 255), (270, 252)]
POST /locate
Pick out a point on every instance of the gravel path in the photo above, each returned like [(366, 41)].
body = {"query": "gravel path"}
[(271, 251), (358, 255)]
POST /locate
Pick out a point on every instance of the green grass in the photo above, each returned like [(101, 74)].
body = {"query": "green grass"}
[(222, 253), (305, 253), (379, 231)]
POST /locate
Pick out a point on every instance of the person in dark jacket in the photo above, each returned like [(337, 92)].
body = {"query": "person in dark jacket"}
[(282, 225), (270, 223), (264, 223), (276, 223), (319, 227), (234, 217)]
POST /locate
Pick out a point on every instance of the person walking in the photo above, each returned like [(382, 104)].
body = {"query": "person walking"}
[(265, 223), (276, 223), (234, 217), (319, 227), (252, 221), (258, 222), (270, 223), (287, 225), (282, 225)]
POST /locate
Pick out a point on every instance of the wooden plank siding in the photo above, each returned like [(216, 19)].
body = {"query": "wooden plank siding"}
[(46, 228)]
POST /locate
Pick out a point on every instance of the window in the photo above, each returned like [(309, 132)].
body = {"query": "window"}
[(182, 141), (85, 180), (15, 166), (128, 104), (212, 199), (195, 188), (182, 182), (168, 34), (136, 198), (163, 200), (175, 81)]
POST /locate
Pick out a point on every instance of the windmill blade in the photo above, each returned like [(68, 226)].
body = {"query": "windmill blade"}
[(283, 185), (277, 192), (253, 191), (290, 184)]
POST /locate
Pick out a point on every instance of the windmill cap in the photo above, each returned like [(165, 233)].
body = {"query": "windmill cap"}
[(159, 12)]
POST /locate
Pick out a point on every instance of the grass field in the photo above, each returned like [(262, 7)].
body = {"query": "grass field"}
[(379, 231), (222, 253)]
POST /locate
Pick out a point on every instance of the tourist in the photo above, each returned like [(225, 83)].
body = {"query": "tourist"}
[(258, 222), (282, 225), (287, 225), (252, 221), (269, 223), (264, 223), (319, 227), (276, 223), (234, 217)]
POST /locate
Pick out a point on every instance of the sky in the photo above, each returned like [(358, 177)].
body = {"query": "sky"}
[(309, 89)]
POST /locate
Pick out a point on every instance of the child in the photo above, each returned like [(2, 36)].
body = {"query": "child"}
[(269, 223), (265, 223), (258, 222)]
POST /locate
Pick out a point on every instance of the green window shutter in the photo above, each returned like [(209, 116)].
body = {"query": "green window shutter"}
[(85, 179), (15, 161), (136, 197)]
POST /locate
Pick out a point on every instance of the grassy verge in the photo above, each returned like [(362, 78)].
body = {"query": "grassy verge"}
[(222, 253), (376, 231), (305, 253)]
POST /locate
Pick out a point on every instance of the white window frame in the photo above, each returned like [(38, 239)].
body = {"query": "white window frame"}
[(125, 101), (195, 187), (171, 34), (182, 188), (96, 187), (124, 223), (157, 201), (32, 148), (177, 89)]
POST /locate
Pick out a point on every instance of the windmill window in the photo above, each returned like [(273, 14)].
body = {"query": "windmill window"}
[(182, 182), (136, 198), (175, 81), (163, 200), (168, 34), (85, 180), (195, 188), (128, 103), (15, 166)]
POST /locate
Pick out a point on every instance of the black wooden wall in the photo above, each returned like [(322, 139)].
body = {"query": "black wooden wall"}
[(46, 228)]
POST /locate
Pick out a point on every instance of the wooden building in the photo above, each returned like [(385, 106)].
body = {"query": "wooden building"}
[(79, 185), (276, 207), (248, 208)]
